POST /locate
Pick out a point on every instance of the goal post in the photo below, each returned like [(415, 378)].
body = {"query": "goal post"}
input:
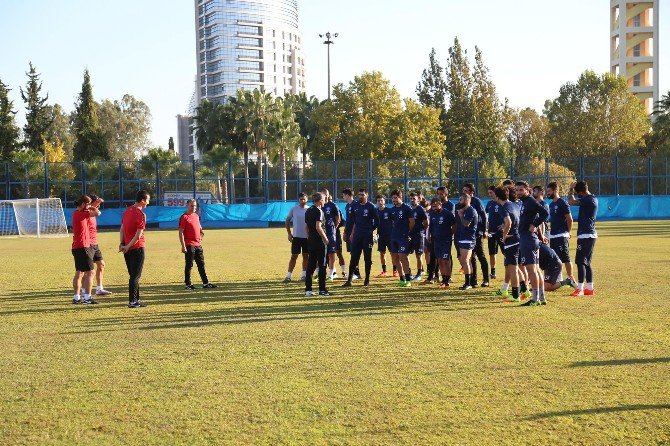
[(34, 217)]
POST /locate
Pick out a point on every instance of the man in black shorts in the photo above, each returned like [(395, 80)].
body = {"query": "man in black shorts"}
[(297, 237), (95, 248), (318, 243), (494, 222)]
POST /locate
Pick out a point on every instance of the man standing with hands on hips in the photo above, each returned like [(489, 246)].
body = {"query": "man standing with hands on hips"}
[(318, 244), (190, 237), (133, 223)]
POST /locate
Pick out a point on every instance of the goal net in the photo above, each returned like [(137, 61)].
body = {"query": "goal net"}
[(37, 217)]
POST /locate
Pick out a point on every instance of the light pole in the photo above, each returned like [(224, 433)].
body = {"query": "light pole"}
[(328, 42), (333, 141)]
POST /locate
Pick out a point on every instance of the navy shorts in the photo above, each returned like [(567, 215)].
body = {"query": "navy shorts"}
[(332, 240), (493, 245), (511, 254), (463, 244), (529, 246), (400, 246), (416, 244), (552, 274), (384, 243), (562, 247), (362, 242), (585, 251), (442, 250)]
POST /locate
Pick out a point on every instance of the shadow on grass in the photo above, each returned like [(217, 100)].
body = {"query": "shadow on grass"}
[(598, 410), (620, 362), (274, 303)]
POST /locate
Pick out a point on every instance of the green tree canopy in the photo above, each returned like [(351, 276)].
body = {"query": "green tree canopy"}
[(597, 115), (527, 133), (37, 115), (126, 124), (91, 142), (9, 131), (659, 142)]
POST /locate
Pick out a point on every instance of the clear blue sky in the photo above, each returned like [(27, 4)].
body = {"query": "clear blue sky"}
[(147, 48)]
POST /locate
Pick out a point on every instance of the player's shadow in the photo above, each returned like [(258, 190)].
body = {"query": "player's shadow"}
[(597, 410), (279, 303), (614, 362)]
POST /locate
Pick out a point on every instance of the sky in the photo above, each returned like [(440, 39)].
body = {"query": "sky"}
[(147, 47)]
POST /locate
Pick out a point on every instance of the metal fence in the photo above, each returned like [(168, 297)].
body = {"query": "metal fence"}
[(263, 181)]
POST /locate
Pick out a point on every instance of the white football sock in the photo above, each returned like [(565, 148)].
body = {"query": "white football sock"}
[(589, 286), (289, 274), (304, 274), (505, 286), (580, 286), (77, 297), (87, 296)]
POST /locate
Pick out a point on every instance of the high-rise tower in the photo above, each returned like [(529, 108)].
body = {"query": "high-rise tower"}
[(248, 44), (634, 47)]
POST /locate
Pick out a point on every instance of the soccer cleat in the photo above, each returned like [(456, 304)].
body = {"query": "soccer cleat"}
[(366, 283), (493, 276), (509, 298), (465, 286), (474, 285), (189, 287), (406, 284), (76, 301), (346, 284), (382, 274), (428, 281), (577, 293), (286, 280), (395, 273), (501, 292), (134, 304), (417, 278), (460, 271), (324, 293), (543, 302), (485, 284), (526, 295), (309, 293), (588, 292), (444, 285), (89, 302), (401, 283), (531, 303), (209, 286), (355, 277), (102, 292)]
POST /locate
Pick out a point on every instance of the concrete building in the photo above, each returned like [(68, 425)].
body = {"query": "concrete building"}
[(245, 44), (634, 47)]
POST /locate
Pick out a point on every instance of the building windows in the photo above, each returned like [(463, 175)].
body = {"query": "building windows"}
[(636, 21), (636, 50), (636, 80)]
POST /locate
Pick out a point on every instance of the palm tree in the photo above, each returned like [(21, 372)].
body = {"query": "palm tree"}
[(285, 137), (255, 112), (218, 158), (304, 107)]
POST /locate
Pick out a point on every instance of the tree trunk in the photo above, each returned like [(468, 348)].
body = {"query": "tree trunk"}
[(219, 194), (232, 186), (246, 173), (282, 161), (259, 164)]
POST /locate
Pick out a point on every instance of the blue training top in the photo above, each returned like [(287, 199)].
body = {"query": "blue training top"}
[(495, 220), (468, 233), (532, 213), (511, 210), (365, 219), (419, 214), (401, 215), (385, 221), (557, 211), (440, 226), (549, 258), (588, 209)]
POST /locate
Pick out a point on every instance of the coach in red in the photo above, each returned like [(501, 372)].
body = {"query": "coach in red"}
[(190, 237), (133, 223)]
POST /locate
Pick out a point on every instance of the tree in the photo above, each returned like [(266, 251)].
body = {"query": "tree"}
[(9, 131), (527, 134), (489, 124), (304, 109), (285, 137), (459, 123), (659, 141), (416, 132), (218, 158), (126, 125), (597, 115), (90, 141), (37, 116), (60, 130), (432, 89), (171, 144)]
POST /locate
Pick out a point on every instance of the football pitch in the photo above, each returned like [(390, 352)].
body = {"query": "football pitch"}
[(256, 362)]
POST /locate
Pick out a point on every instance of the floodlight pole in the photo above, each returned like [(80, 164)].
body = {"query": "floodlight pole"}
[(328, 42)]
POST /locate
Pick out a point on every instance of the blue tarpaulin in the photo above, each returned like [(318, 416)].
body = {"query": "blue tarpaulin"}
[(622, 207)]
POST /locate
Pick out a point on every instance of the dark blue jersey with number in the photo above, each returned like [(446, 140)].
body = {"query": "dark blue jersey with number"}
[(420, 216), (588, 209), (557, 212), (476, 203), (467, 233), (440, 226), (549, 258), (495, 220), (532, 213), (401, 215), (348, 214), (365, 219), (330, 213), (385, 222), (511, 210)]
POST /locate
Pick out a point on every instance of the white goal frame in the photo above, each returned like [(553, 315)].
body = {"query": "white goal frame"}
[(33, 228)]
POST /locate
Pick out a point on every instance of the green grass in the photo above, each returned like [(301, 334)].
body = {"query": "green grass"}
[(255, 362)]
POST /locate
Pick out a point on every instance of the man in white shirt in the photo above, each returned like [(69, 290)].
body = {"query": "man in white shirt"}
[(297, 237)]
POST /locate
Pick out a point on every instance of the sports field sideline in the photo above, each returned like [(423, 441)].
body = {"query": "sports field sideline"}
[(256, 362)]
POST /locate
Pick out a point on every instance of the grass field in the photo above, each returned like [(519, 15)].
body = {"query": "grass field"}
[(255, 362)]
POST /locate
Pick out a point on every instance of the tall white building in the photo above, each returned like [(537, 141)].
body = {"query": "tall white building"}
[(246, 44), (634, 47)]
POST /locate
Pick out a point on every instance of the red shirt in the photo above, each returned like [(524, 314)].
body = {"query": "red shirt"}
[(80, 229), (93, 230), (132, 220), (190, 223)]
